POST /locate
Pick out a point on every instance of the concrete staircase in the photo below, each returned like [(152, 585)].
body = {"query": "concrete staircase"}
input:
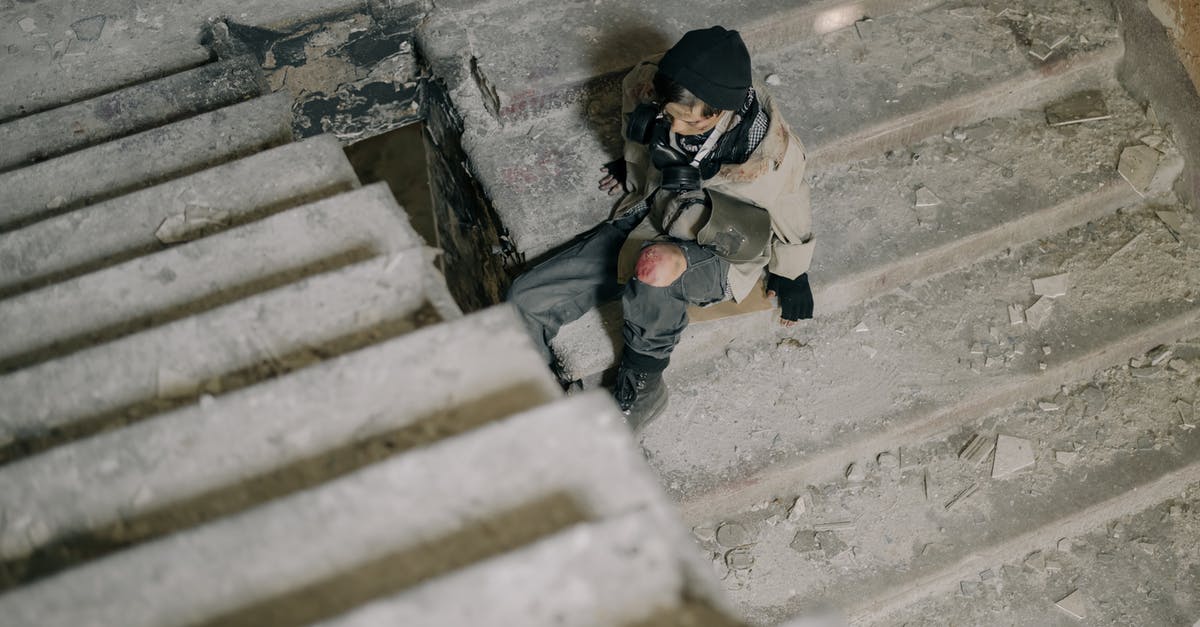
[(234, 389), (930, 330)]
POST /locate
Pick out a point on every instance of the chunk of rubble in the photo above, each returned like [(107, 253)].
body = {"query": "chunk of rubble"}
[(1048, 406), (1066, 458), (732, 535), (1085, 106), (1159, 354), (1072, 604), (926, 198), (1012, 454), (1051, 286), (774, 80), (887, 461), (27, 25), (976, 449), (805, 541), (1137, 166), (1037, 313), (855, 473), (1016, 314), (797, 509)]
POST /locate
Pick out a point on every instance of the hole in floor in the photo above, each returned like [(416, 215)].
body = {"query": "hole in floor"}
[(398, 158)]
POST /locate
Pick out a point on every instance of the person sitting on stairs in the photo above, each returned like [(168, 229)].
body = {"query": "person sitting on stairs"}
[(714, 193)]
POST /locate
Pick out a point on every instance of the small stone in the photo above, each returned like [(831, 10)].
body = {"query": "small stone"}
[(1072, 604), (732, 535), (1041, 365), (28, 25), (862, 328), (56, 203), (1066, 458), (926, 198), (773, 520), (1051, 286), (1012, 455), (855, 473), (1016, 314), (1046, 350), (774, 80), (1139, 362), (89, 28), (1039, 312), (1047, 406), (977, 349)]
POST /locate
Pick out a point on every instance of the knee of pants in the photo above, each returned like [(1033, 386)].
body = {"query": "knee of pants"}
[(660, 265)]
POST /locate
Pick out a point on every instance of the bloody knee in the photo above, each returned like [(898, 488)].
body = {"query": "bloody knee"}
[(660, 265)]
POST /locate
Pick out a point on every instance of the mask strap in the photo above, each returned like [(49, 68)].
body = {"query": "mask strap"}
[(728, 120)]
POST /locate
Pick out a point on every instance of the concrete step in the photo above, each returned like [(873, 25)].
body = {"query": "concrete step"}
[(515, 81), (61, 52), (118, 167), (230, 452), (225, 348), (124, 227), (127, 111), (202, 275), (1138, 569), (999, 183), (322, 552), (936, 354), (631, 576), (856, 111), (929, 524)]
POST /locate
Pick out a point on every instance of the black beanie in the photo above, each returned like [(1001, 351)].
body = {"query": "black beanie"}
[(713, 64)]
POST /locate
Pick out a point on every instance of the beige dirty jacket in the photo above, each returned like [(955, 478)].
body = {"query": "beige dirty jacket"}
[(773, 178)]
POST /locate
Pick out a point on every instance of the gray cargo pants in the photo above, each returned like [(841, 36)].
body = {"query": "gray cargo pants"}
[(584, 274)]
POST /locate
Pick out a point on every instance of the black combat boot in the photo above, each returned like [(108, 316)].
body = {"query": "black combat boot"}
[(640, 391)]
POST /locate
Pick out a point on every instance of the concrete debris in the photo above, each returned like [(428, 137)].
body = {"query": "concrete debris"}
[(976, 449), (1148, 372), (1012, 455), (987, 575), (862, 328), (190, 224), (705, 533), (887, 461), (1159, 354), (774, 80), (1085, 106), (1045, 45), (1137, 166), (1048, 406), (1173, 221), (1016, 314), (1051, 286), (796, 511), (1157, 142), (805, 541), (1046, 350), (739, 559), (831, 544), (57, 202), (1152, 116), (1094, 398), (1073, 604), (855, 473), (1037, 313), (962, 494), (732, 535), (840, 525), (1035, 561), (1066, 458), (971, 588), (978, 349), (89, 28), (1179, 365), (28, 25), (926, 198)]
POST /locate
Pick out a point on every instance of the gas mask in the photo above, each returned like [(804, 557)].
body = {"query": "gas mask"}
[(646, 125)]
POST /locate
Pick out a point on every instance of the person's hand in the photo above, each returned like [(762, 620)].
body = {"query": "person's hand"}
[(614, 177), (794, 295)]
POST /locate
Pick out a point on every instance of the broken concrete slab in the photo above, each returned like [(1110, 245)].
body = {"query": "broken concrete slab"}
[(1073, 605), (1137, 166), (1085, 106), (1039, 312), (1012, 455), (1052, 286)]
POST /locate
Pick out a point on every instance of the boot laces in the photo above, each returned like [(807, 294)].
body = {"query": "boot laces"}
[(629, 383)]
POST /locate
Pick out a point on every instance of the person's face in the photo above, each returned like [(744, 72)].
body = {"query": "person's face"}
[(685, 121)]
